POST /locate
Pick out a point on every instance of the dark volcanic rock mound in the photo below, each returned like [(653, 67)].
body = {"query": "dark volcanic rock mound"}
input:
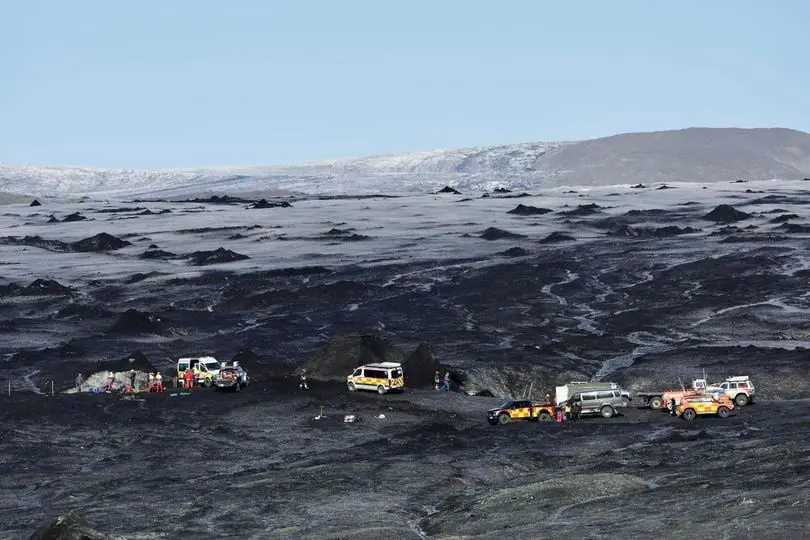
[(725, 213), (448, 189), (157, 254), (525, 210), (264, 203), (338, 232), (47, 286), (514, 252), (37, 241), (137, 361), (138, 277), (121, 209), (783, 218), (68, 527), (647, 212), (795, 228), (100, 242), (582, 210), (648, 232), (345, 235), (494, 233), (219, 255), (35, 203), (133, 321), (745, 238), (216, 199), (343, 353), (76, 216), (259, 368), (82, 312), (38, 287), (557, 237), (420, 366)]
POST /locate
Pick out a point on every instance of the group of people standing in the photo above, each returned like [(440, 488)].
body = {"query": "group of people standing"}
[(441, 384), (571, 411)]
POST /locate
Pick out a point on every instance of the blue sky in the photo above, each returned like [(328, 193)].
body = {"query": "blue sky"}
[(185, 83)]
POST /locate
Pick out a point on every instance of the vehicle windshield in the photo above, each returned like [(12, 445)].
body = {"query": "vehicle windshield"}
[(506, 404), (212, 365)]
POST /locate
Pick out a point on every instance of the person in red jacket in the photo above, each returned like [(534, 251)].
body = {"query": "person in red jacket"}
[(189, 377)]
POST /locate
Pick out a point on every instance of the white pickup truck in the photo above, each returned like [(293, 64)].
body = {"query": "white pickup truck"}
[(739, 389)]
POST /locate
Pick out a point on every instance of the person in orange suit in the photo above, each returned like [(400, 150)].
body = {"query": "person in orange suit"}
[(189, 378)]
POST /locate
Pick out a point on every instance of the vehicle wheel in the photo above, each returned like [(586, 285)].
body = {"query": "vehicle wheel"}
[(625, 402), (352, 387), (208, 383), (504, 418), (689, 415), (607, 411), (741, 400), (723, 412), (545, 417), (381, 389), (656, 403)]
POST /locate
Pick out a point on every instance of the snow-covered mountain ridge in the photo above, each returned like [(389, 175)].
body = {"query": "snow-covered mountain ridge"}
[(689, 155)]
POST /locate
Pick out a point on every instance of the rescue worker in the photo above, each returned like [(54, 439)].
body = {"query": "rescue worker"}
[(548, 399), (158, 382), (673, 407), (79, 382), (437, 380), (303, 385), (188, 376), (447, 381), (559, 412), (132, 376), (110, 381), (151, 382), (576, 410), (568, 410)]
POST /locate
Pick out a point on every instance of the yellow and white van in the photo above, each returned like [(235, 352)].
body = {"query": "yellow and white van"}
[(205, 368), (382, 377)]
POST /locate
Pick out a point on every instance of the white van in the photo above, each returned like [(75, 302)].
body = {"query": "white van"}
[(206, 369), (382, 377)]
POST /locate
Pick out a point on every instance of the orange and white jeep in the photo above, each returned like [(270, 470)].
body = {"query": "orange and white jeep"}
[(715, 404)]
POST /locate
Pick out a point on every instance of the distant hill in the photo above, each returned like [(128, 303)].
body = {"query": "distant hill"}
[(688, 155)]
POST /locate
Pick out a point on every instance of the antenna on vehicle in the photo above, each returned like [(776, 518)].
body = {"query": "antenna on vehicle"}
[(681, 383), (529, 393)]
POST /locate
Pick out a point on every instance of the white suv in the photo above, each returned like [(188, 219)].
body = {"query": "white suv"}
[(738, 389)]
